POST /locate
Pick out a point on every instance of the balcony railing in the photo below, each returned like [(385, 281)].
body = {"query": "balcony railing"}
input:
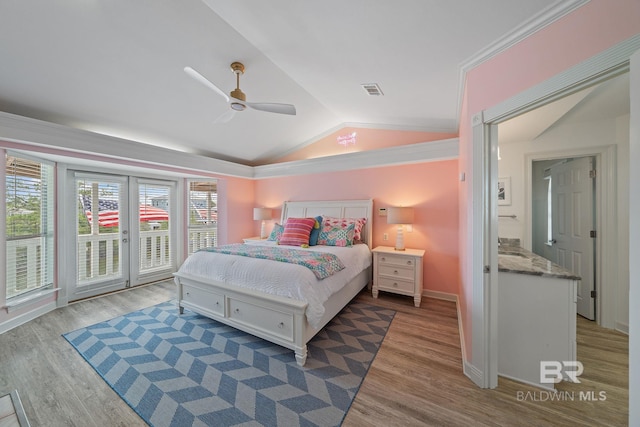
[(98, 257)]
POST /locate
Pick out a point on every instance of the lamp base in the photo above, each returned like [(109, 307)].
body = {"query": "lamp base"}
[(399, 239)]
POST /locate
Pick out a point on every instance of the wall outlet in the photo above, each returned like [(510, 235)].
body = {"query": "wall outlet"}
[(385, 236)]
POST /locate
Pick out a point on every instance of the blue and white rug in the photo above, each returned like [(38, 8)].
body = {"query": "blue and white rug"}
[(188, 370)]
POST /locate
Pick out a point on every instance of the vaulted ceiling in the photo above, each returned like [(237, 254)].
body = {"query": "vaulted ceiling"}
[(116, 67)]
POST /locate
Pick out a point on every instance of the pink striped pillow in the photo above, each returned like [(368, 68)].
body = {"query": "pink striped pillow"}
[(296, 231)]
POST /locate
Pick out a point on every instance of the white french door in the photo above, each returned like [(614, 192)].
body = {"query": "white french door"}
[(123, 232), (101, 244), (153, 227)]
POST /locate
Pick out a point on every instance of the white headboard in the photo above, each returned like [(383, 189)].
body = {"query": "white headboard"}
[(336, 208)]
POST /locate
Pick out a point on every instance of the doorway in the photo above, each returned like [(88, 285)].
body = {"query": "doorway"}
[(124, 235)]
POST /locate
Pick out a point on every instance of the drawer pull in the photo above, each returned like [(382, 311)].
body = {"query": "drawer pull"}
[(395, 271), (395, 284), (188, 293), (281, 325), (383, 259), (237, 310), (409, 262)]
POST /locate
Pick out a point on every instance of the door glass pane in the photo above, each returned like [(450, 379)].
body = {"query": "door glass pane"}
[(98, 241), (155, 244)]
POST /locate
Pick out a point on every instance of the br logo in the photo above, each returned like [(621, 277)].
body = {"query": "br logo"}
[(552, 371)]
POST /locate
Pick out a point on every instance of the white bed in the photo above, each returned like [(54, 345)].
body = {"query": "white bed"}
[(280, 318)]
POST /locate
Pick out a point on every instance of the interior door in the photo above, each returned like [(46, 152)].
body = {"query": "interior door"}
[(572, 191), (101, 244)]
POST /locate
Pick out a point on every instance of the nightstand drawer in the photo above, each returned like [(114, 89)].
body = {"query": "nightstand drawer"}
[(400, 261), (396, 271), (388, 283)]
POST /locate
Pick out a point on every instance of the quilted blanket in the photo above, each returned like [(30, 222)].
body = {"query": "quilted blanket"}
[(322, 264)]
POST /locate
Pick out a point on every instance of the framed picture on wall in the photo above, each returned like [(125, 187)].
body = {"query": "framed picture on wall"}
[(504, 191)]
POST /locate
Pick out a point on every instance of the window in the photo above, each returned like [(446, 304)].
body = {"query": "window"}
[(29, 225), (202, 214)]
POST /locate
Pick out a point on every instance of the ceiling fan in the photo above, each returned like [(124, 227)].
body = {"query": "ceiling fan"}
[(238, 100)]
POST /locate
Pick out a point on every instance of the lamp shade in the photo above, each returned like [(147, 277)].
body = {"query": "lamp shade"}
[(261, 213), (400, 215)]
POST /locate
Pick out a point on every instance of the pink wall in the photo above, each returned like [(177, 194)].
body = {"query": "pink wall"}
[(235, 209), (594, 27), (431, 188), (366, 139)]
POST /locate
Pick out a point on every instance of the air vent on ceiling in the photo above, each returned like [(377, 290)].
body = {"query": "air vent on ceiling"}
[(372, 89)]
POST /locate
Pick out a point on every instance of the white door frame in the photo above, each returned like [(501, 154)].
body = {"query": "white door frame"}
[(603, 66), (634, 241)]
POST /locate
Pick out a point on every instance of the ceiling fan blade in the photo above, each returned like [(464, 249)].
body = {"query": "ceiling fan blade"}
[(273, 108), (226, 116), (200, 78)]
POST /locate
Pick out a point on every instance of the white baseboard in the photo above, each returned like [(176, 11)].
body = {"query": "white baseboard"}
[(26, 317), (469, 370), (440, 295), (622, 327), (473, 373)]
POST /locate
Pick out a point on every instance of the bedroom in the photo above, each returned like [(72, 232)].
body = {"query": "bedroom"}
[(248, 193)]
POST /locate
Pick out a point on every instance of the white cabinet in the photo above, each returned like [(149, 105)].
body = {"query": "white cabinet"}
[(399, 272), (536, 322)]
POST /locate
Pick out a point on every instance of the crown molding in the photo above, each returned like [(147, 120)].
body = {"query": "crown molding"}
[(444, 126), (536, 23), (413, 153), (83, 144), (28, 131)]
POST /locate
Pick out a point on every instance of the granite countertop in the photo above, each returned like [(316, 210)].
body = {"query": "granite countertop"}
[(514, 259)]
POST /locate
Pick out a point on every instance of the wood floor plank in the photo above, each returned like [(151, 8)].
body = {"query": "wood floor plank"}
[(416, 378)]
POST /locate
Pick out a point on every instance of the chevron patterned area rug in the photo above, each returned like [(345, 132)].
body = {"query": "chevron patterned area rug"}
[(188, 370)]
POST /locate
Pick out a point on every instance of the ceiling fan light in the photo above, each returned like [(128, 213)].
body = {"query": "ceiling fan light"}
[(238, 106)]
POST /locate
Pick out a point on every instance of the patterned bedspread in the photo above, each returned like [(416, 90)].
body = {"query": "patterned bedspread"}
[(322, 264)]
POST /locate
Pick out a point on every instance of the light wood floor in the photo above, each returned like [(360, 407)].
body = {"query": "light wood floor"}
[(415, 380)]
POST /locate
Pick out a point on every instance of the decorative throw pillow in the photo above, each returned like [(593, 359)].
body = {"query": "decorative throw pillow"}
[(276, 233), (337, 236), (296, 231), (315, 231), (345, 222)]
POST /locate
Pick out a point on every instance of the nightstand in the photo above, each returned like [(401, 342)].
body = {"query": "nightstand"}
[(399, 272)]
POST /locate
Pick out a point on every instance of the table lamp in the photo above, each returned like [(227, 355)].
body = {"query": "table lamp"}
[(262, 214), (400, 216)]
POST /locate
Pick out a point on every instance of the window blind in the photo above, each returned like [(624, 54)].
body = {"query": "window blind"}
[(29, 225)]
